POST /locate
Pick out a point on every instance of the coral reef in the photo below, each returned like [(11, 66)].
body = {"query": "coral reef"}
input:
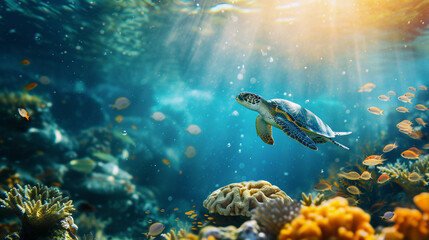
[(410, 224), (334, 219), (271, 216), (40, 210), (307, 200), (240, 198)]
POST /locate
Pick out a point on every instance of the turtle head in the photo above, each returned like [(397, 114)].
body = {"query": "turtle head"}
[(250, 100)]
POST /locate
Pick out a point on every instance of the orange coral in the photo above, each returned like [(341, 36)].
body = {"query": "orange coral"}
[(334, 219), (422, 201)]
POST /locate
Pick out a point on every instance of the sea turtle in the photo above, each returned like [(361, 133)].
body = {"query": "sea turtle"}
[(296, 121)]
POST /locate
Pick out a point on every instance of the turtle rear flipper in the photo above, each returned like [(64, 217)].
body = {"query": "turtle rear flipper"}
[(339, 144), (264, 130), (342, 133), (293, 131)]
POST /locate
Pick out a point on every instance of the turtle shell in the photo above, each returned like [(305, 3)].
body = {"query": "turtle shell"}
[(302, 117)]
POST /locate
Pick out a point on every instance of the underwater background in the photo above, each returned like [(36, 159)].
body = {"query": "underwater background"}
[(132, 109)]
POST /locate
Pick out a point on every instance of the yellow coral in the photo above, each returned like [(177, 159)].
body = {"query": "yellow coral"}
[(240, 198), (334, 219), (422, 201)]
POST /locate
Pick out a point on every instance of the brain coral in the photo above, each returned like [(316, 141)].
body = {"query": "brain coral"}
[(240, 198), (334, 219)]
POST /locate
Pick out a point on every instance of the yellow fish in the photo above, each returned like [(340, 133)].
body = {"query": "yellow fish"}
[(402, 109), (423, 87), (365, 175), (404, 99), (392, 93), (421, 107), (350, 175), (368, 87), (412, 89), (373, 162), (421, 122), (375, 110), (389, 147), (384, 98), (322, 186), (426, 146), (409, 95), (353, 190), (414, 177)]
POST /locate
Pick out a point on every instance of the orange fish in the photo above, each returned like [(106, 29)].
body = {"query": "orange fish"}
[(353, 190), (365, 175), (423, 88), (389, 147), (368, 87), (409, 155), (414, 177), (409, 95), (416, 150), (166, 162), (402, 109), (421, 122), (189, 212), (421, 107), (404, 99), (375, 110), (412, 89), (25, 62), (134, 127), (426, 146), (373, 160), (384, 98), (383, 178), (376, 157), (415, 135), (119, 119), (392, 93), (175, 209), (30, 86), (405, 122), (23, 113)]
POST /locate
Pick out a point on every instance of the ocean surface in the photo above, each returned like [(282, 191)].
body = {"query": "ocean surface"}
[(187, 61)]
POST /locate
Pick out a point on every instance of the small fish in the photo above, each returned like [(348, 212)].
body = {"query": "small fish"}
[(421, 122), (421, 107), (372, 162), (23, 113), (402, 109), (389, 147), (158, 116), (45, 80), (175, 209), (83, 165), (190, 212), (405, 122), (414, 177), (415, 135), (409, 95), (190, 151), (388, 215), (134, 127), (25, 62), (409, 155), (155, 229), (426, 146), (165, 161), (383, 178), (121, 103), (416, 150), (368, 87), (193, 129), (193, 215), (412, 89), (350, 175), (30, 86), (353, 190), (384, 98), (404, 99), (104, 157), (392, 93), (322, 186), (375, 110), (119, 118), (365, 175), (423, 88), (376, 157)]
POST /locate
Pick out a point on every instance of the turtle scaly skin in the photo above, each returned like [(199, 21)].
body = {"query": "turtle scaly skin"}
[(297, 122)]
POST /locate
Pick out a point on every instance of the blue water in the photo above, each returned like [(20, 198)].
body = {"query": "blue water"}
[(189, 64)]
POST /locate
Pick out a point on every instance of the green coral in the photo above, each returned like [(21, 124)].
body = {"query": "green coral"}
[(40, 210)]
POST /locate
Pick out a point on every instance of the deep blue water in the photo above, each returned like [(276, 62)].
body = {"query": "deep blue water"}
[(191, 65)]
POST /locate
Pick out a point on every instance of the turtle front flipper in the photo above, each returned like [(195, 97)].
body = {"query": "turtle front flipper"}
[(264, 131), (293, 131)]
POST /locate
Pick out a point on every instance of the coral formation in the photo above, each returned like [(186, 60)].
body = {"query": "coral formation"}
[(308, 200), (40, 210), (271, 216), (334, 219), (240, 198)]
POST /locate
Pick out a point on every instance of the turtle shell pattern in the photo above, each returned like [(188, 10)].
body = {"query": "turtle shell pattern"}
[(304, 118)]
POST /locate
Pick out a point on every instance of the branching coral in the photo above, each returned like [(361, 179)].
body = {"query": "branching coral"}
[(274, 214), (308, 200), (240, 198), (40, 209), (334, 219)]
